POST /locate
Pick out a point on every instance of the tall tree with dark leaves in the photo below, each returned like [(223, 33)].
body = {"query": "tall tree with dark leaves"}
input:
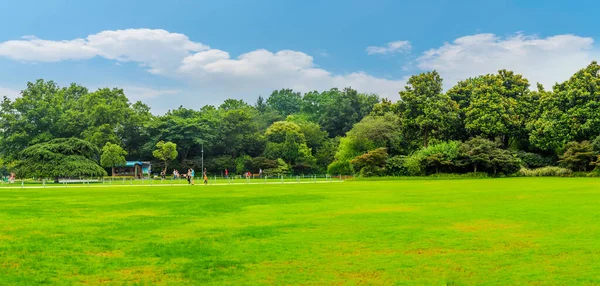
[(425, 109)]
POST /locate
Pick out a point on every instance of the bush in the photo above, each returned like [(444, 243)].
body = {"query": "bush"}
[(533, 160), (339, 168), (394, 166), (578, 156), (281, 169), (371, 163), (413, 165), (483, 154), (549, 171)]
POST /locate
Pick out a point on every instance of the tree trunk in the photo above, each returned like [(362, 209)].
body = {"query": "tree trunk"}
[(113, 171), (475, 168)]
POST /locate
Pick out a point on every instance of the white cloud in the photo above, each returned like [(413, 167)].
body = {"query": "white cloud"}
[(261, 71), (208, 71), (212, 74), (158, 50), (30, 48), (545, 60), (135, 93), (390, 48), (8, 92)]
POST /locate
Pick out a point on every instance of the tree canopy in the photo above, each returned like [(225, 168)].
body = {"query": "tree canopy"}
[(493, 123), (60, 158)]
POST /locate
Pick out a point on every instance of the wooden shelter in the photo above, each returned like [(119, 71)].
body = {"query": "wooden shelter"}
[(130, 169)]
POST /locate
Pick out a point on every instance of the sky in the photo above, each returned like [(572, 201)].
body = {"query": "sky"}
[(193, 53)]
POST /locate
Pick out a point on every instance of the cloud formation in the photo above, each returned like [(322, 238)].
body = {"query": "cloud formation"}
[(545, 60), (211, 74), (390, 48)]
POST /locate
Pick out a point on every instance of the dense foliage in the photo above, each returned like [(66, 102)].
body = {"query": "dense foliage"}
[(60, 158), (493, 123)]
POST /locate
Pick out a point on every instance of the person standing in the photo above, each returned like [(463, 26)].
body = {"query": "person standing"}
[(206, 177), (193, 173), (226, 173), (189, 176), (259, 172)]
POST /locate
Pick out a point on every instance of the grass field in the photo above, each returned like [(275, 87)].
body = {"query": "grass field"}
[(434, 232)]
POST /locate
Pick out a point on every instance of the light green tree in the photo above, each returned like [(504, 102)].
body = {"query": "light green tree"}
[(112, 155), (165, 152)]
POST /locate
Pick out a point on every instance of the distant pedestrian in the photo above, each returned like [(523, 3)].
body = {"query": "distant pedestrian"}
[(226, 173), (193, 174), (189, 176), (259, 172), (206, 177)]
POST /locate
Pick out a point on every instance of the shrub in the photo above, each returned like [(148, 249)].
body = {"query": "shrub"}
[(533, 160), (394, 166), (480, 153), (413, 165), (340, 168), (371, 163), (549, 171), (578, 156)]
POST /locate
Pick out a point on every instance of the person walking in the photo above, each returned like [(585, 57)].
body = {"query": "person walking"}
[(193, 174), (206, 177), (189, 176), (226, 173)]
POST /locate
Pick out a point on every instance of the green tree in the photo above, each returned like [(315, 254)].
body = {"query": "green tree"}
[(34, 117), (60, 158), (425, 108), (370, 133), (578, 156), (285, 101), (569, 112), (371, 163), (286, 141), (112, 155), (165, 152), (480, 153)]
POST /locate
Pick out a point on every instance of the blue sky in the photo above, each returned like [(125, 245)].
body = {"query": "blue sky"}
[(193, 53)]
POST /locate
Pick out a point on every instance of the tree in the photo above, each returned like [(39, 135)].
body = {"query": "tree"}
[(285, 101), (337, 111), (370, 133), (286, 141), (371, 163), (165, 152), (569, 112), (481, 153), (60, 158), (313, 133), (440, 156), (112, 155), (425, 108), (578, 156), (477, 152)]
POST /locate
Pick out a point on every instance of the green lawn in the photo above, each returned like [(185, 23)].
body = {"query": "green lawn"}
[(434, 232)]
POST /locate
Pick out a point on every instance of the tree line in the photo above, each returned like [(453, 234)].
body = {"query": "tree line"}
[(493, 123)]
